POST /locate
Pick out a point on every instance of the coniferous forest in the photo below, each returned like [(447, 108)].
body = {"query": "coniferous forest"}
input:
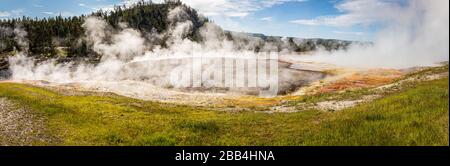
[(62, 36)]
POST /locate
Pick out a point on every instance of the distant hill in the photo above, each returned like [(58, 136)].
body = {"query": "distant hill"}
[(303, 44)]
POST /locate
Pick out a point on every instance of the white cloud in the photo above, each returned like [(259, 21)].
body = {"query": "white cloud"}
[(66, 14), (266, 19), (82, 4), (349, 33), (48, 13), (131, 2), (37, 5), (63, 13), (308, 22), (12, 13), (5, 14), (358, 12), (237, 14), (17, 12), (229, 8)]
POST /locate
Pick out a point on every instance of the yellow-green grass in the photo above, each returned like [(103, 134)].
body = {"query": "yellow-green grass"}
[(417, 115)]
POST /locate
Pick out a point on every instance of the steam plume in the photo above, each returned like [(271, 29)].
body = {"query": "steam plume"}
[(416, 34)]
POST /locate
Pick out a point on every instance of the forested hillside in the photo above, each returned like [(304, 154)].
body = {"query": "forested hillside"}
[(50, 37)]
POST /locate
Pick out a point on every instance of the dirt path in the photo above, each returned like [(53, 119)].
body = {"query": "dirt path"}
[(20, 126)]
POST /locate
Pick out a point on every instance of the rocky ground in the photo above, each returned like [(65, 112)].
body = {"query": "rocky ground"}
[(21, 126)]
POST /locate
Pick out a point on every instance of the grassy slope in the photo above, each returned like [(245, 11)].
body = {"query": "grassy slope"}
[(416, 116)]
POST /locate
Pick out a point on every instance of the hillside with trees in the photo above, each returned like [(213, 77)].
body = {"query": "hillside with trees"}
[(48, 37)]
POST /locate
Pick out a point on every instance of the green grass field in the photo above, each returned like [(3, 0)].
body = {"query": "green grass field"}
[(417, 115)]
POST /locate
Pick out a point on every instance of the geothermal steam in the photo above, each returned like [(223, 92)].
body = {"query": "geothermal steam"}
[(127, 56), (415, 34)]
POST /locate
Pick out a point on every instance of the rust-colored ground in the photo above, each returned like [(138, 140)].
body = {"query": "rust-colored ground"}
[(365, 79)]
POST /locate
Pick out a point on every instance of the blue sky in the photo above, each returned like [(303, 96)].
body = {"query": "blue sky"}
[(340, 19)]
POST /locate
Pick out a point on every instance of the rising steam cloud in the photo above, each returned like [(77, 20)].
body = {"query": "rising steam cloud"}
[(127, 56), (20, 36), (416, 34)]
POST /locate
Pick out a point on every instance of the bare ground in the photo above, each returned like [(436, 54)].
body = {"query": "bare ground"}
[(21, 126)]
